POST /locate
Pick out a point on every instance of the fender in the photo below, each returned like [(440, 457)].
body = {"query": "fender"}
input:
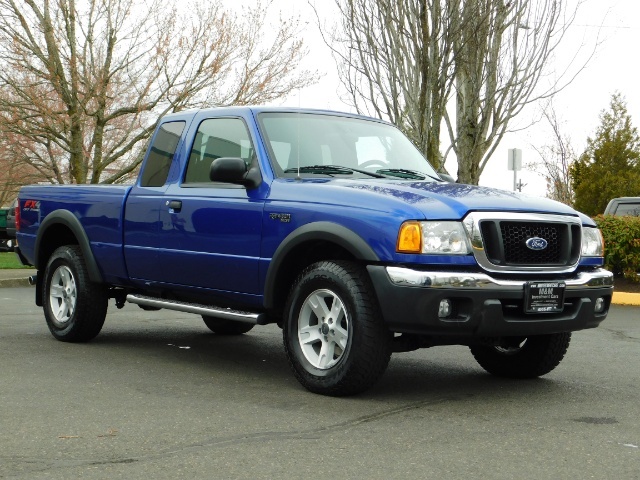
[(69, 220), (328, 231)]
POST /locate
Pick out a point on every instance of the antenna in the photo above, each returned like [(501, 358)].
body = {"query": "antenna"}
[(298, 139)]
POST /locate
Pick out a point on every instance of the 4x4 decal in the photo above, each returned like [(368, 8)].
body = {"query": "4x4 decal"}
[(283, 217)]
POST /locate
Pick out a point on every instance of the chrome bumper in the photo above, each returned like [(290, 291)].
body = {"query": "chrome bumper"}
[(599, 278)]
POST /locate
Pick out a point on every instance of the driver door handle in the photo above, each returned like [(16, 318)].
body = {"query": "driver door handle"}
[(174, 205)]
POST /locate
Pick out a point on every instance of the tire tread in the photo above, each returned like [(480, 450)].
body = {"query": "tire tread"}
[(539, 356), (226, 327)]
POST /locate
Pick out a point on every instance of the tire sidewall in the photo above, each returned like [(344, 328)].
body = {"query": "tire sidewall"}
[(61, 257), (90, 310), (311, 281)]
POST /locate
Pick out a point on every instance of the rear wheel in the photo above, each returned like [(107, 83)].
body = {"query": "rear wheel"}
[(334, 336), (528, 357), (74, 307), (226, 327)]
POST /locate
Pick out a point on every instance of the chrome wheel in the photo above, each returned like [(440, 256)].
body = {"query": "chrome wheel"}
[(63, 294), (323, 329)]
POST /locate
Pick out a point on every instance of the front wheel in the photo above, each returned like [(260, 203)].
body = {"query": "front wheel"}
[(334, 336), (74, 307), (528, 357)]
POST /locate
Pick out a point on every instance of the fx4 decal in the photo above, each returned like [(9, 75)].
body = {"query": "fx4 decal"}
[(31, 206)]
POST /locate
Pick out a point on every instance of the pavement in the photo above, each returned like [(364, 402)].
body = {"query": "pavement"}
[(158, 396), (19, 278)]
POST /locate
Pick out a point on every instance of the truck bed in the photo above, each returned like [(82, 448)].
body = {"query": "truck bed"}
[(98, 208)]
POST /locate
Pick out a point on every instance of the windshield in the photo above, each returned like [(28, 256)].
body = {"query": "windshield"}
[(304, 143)]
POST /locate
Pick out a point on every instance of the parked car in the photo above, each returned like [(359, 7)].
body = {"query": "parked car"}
[(11, 220), (623, 206), (7, 244), (8, 227), (3, 222)]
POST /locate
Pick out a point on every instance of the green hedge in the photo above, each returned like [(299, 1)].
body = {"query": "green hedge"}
[(621, 244)]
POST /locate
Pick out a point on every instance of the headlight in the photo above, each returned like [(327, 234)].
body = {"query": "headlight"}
[(447, 238), (592, 242)]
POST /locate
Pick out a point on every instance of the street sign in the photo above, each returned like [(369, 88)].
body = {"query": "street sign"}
[(515, 159)]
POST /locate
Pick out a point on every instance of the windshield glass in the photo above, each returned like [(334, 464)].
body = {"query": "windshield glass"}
[(306, 142)]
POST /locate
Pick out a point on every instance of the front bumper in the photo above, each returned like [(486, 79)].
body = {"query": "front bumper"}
[(483, 305)]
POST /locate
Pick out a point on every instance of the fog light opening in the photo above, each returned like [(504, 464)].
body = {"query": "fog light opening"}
[(599, 308), (445, 308)]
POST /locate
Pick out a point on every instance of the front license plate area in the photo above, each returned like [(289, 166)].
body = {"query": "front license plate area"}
[(544, 297)]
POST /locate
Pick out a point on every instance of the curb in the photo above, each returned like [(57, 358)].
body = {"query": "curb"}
[(11, 278), (14, 282), (623, 298)]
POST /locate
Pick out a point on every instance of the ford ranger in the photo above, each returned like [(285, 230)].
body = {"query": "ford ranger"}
[(331, 225)]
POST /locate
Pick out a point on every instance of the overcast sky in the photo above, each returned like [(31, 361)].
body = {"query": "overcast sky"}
[(614, 67)]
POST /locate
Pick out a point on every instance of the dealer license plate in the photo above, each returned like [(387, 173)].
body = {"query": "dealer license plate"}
[(543, 297)]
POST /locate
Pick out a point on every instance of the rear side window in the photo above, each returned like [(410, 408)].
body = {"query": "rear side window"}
[(628, 209), (216, 138), (163, 148)]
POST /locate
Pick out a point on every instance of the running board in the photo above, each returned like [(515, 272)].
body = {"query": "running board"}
[(206, 310)]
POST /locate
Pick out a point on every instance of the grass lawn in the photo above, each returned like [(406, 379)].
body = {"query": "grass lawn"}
[(10, 260)]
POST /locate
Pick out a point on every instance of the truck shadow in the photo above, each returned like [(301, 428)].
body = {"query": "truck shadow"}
[(190, 351)]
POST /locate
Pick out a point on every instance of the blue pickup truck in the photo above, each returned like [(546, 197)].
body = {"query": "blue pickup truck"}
[(332, 226)]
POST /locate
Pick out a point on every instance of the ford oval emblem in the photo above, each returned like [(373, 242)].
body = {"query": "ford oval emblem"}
[(537, 243)]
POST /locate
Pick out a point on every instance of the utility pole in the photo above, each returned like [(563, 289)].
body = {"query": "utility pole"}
[(514, 162)]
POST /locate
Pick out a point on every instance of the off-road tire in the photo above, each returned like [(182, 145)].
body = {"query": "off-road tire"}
[(226, 327), (537, 356), (358, 353), (74, 307)]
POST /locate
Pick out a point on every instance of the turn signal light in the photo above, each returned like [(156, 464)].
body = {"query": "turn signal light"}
[(409, 238)]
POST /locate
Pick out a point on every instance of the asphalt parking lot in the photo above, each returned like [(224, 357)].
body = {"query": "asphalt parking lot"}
[(157, 395)]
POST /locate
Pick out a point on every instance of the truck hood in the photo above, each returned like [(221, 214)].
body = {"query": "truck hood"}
[(453, 201)]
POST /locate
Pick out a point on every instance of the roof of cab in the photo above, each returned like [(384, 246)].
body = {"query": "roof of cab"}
[(255, 110)]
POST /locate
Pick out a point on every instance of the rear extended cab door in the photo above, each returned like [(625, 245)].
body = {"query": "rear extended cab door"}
[(146, 198), (209, 234)]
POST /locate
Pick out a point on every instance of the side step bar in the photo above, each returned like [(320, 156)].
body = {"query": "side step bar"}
[(207, 310)]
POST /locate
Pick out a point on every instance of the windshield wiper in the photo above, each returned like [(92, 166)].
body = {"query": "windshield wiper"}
[(331, 170), (409, 174)]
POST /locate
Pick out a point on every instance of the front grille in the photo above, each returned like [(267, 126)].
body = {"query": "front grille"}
[(505, 243), (515, 234)]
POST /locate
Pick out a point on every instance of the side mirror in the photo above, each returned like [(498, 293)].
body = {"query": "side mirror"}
[(234, 170)]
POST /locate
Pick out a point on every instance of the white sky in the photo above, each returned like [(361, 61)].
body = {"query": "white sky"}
[(613, 68)]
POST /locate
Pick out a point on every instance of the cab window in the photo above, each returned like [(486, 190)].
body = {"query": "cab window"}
[(163, 148), (217, 138)]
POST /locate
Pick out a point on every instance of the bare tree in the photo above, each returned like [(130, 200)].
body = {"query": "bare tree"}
[(14, 174), (82, 82), (488, 57), (556, 159), (395, 60), (500, 57)]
